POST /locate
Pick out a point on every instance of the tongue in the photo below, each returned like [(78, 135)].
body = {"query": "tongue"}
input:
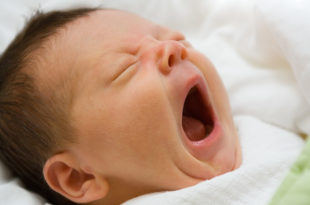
[(194, 129)]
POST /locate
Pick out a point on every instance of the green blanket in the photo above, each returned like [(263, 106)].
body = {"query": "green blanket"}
[(295, 189)]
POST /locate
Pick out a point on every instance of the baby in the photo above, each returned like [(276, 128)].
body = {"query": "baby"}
[(102, 106)]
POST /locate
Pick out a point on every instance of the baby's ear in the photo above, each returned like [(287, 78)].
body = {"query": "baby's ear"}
[(63, 174)]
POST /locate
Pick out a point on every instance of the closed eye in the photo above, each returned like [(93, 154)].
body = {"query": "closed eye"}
[(126, 70)]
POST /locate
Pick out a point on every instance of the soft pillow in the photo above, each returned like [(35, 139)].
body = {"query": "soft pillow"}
[(289, 25)]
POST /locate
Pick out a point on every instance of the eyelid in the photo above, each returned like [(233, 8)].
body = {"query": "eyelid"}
[(181, 37), (125, 67), (186, 43), (177, 36)]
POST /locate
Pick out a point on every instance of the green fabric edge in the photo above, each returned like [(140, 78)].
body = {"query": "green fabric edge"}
[(295, 189)]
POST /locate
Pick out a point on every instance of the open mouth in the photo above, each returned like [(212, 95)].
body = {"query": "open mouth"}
[(197, 118)]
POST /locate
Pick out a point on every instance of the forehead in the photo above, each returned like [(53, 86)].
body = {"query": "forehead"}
[(104, 33), (101, 39), (112, 29)]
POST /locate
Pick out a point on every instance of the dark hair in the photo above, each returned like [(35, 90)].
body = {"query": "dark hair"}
[(31, 126)]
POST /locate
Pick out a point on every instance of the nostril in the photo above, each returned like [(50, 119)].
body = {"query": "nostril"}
[(171, 60), (183, 54)]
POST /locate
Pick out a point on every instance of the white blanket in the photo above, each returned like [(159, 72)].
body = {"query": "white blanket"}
[(268, 152), (261, 49)]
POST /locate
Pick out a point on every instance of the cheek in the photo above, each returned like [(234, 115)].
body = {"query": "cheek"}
[(137, 121), (142, 108), (139, 134)]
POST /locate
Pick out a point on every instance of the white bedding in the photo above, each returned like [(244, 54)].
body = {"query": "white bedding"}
[(261, 49), (265, 163)]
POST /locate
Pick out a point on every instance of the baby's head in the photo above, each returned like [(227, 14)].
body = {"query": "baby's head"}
[(105, 106)]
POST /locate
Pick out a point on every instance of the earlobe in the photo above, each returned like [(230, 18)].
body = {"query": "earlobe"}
[(64, 176)]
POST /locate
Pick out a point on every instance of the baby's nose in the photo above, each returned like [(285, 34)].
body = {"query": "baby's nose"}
[(170, 53)]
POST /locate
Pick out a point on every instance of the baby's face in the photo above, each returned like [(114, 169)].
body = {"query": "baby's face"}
[(149, 110)]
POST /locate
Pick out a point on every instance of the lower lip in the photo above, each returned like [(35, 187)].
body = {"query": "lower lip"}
[(206, 148)]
